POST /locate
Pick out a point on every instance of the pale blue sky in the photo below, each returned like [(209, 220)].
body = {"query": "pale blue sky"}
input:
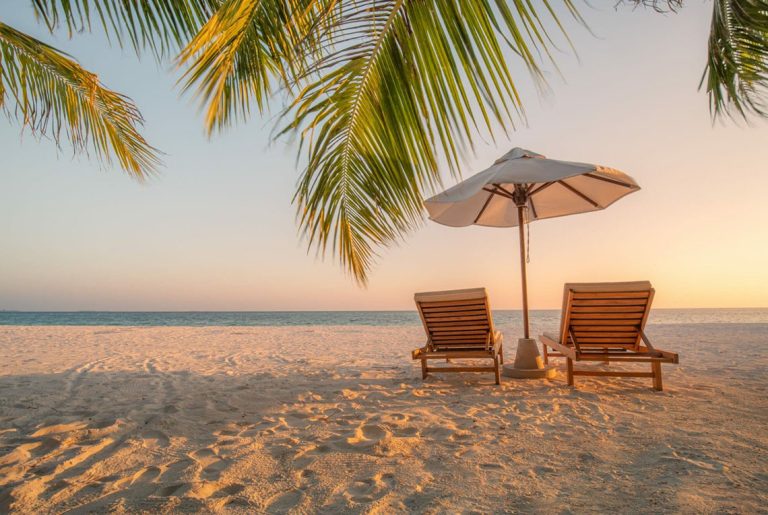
[(216, 230)]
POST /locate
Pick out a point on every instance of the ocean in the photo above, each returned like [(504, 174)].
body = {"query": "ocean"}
[(542, 318)]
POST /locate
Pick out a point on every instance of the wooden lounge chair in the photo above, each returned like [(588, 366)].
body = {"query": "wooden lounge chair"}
[(606, 322), (459, 326)]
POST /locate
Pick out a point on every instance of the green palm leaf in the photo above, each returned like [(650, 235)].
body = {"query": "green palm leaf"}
[(736, 76), (402, 84), (53, 96), (161, 26), (243, 50)]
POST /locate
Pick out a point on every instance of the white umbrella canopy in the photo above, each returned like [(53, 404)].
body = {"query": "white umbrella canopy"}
[(523, 186), (550, 188)]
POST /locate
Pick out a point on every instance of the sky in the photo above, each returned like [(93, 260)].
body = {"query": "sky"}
[(216, 230)]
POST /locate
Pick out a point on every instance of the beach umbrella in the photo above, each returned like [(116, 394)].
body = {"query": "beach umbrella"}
[(523, 186)]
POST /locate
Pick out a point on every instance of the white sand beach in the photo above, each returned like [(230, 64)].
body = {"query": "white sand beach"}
[(337, 419)]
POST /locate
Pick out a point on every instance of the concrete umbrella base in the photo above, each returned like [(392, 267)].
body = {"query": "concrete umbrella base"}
[(528, 362)]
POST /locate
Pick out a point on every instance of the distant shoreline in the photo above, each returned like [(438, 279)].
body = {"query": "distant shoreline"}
[(505, 319)]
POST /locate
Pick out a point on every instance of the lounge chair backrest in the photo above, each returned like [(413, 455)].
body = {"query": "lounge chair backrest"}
[(605, 314), (456, 319)]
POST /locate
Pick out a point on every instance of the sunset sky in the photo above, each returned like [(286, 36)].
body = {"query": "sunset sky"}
[(216, 229)]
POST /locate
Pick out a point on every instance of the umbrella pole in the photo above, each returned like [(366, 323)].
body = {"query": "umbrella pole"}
[(521, 225)]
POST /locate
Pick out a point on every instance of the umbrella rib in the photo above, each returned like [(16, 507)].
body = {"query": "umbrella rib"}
[(606, 179), (487, 201), (543, 186), (533, 208), (502, 193), (505, 191), (580, 194)]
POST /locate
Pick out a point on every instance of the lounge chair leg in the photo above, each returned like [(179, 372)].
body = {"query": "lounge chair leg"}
[(545, 353), (656, 369), (496, 370), (423, 368), (501, 355), (569, 370)]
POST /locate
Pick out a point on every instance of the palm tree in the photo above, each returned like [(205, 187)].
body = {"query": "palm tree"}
[(379, 91)]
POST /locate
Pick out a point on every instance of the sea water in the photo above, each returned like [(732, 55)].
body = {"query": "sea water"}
[(539, 318)]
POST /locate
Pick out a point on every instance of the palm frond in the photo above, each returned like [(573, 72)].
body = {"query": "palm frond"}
[(54, 96), (160, 26), (243, 49), (402, 85), (736, 75)]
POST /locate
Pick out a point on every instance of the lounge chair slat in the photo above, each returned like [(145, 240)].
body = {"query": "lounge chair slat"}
[(453, 329), (458, 318), (605, 334), (459, 339), (596, 322), (462, 346), (603, 316), (451, 303), (611, 295), (467, 312), (479, 334), (609, 309), (615, 341), (610, 302), (454, 309), (480, 324), (472, 343)]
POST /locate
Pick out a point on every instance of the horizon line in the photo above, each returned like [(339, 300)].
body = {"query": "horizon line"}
[(311, 310)]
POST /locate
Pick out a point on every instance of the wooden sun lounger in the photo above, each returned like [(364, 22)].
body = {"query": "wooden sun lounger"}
[(606, 322), (459, 325)]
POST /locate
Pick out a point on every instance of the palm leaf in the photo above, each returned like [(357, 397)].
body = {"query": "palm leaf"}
[(54, 96), (736, 75), (239, 54), (402, 85), (160, 26)]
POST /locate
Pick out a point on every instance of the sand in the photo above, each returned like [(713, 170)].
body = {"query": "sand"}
[(337, 419)]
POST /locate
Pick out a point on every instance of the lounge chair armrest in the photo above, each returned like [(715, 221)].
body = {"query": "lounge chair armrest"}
[(548, 337), (417, 353), (498, 340), (550, 341), (651, 349)]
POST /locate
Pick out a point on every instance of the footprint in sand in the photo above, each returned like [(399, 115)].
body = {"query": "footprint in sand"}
[(283, 502), (233, 489), (370, 489), (368, 435), (58, 428), (174, 490), (213, 471), (152, 438), (145, 475), (45, 446), (141, 483), (56, 486), (175, 470), (203, 453)]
